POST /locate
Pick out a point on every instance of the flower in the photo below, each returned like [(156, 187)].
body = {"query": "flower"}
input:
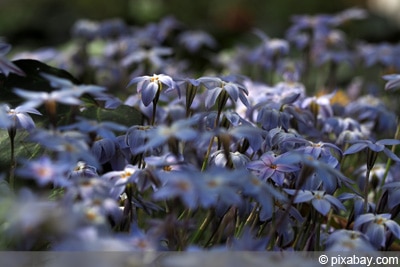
[(264, 193), (267, 168), (373, 149), (184, 184), (35, 99), (83, 170), (376, 176), (67, 93), (393, 81), (45, 171), (136, 136), (393, 189), (180, 130), (323, 173), (104, 129), (358, 204), (320, 106), (238, 159), (70, 146), (18, 117), (220, 185), (384, 54), (149, 86), (7, 67), (154, 55), (220, 90), (375, 226), (348, 240), (104, 149), (269, 51), (321, 201), (194, 40), (120, 179)]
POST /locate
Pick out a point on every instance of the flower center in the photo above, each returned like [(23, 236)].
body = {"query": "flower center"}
[(183, 185), (154, 78), (380, 220)]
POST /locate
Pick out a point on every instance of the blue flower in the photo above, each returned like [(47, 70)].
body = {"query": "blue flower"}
[(358, 204), (220, 185), (373, 148), (184, 185), (104, 149), (321, 201), (393, 189), (323, 173), (348, 240), (5, 65), (393, 81), (149, 87), (45, 171), (375, 226), (267, 168), (264, 193), (35, 99), (153, 55), (269, 51), (383, 54), (238, 159), (319, 106), (104, 129), (70, 146), (180, 130), (119, 179), (219, 91), (67, 93), (83, 170), (18, 117), (193, 41)]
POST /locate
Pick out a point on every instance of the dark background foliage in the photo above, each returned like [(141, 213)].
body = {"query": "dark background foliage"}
[(48, 22)]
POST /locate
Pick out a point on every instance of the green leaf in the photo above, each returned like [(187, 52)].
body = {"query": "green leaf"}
[(22, 148)]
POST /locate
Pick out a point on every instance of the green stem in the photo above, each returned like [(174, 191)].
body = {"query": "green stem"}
[(207, 156), (389, 162), (203, 227), (366, 189), (155, 101), (318, 231), (11, 133)]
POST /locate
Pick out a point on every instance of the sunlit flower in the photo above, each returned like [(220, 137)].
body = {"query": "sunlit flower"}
[(149, 87), (120, 179), (19, 117)]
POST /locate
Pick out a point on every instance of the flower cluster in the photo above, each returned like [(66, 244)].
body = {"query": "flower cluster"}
[(164, 154)]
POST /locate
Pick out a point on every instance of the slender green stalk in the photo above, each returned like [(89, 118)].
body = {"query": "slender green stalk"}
[(12, 131), (366, 190), (318, 231), (155, 101), (389, 162), (203, 226)]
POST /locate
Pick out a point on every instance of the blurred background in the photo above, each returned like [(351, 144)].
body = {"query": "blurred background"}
[(48, 22)]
